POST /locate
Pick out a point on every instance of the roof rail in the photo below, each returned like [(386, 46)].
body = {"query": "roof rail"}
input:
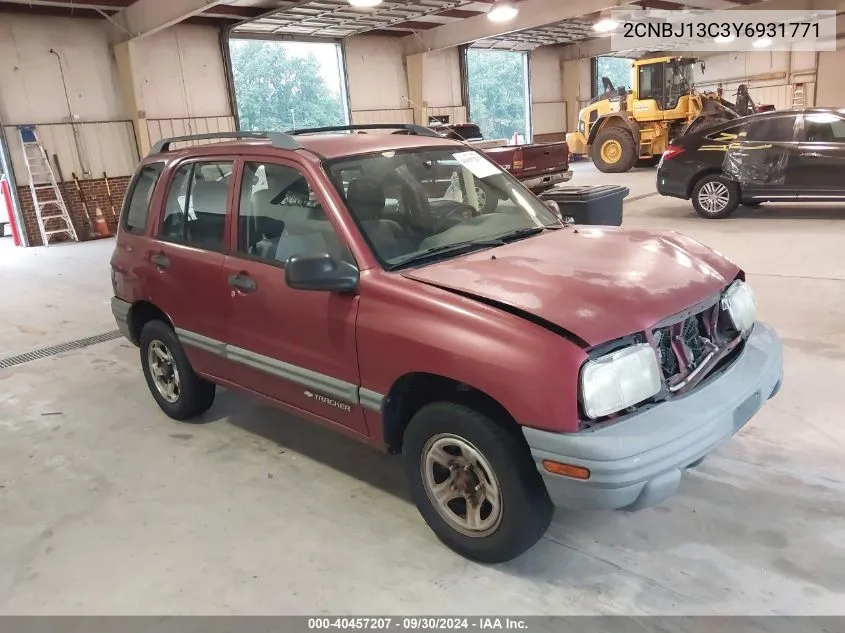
[(411, 128), (279, 140)]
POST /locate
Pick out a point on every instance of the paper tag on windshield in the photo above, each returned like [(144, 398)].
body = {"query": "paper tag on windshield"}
[(476, 163)]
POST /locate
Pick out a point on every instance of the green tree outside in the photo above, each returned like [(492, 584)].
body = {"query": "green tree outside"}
[(497, 92), (279, 91), (617, 69)]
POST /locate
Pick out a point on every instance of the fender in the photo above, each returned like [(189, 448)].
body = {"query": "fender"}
[(621, 119)]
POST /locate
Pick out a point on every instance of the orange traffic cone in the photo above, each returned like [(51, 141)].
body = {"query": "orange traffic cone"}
[(100, 224)]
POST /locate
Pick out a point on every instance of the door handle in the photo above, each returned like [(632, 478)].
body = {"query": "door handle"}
[(813, 154), (242, 282), (160, 260)]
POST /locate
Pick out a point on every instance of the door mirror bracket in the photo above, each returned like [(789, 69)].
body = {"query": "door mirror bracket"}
[(321, 272)]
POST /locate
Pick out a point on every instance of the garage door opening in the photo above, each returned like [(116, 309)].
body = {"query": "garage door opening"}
[(497, 82), (288, 85)]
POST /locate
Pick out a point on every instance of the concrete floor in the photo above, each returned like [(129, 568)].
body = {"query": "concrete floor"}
[(107, 506)]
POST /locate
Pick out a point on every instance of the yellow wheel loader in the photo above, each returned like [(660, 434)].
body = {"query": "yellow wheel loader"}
[(621, 129)]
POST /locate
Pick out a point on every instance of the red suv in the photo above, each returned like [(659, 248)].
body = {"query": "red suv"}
[(517, 362)]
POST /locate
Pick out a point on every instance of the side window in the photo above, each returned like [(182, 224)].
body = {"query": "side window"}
[(139, 196), (651, 83), (824, 127), (772, 129), (195, 211), (280, 216)]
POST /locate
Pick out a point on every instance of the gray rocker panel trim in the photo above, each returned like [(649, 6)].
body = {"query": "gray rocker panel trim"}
[(328, 385)]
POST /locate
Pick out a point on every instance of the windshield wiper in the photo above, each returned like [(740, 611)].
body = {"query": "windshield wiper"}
[(519, 234), (445, 249)]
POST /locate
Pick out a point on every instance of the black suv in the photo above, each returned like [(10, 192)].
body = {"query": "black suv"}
[(780, 156)]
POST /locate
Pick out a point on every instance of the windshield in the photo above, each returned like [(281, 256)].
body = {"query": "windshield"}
[(413, 203)]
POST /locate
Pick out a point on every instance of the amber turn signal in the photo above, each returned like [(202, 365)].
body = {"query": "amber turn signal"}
[(567, 470)]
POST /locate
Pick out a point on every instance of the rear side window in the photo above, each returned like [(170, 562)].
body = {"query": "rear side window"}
[(139, 196), (195, 211), (772, 129)]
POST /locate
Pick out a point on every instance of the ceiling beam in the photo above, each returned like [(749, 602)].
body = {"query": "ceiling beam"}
[(532, 14), (145, 17)]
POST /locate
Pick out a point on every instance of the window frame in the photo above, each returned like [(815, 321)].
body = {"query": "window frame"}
[(235, 210), (661, 97), (130, 192), (173, 169)]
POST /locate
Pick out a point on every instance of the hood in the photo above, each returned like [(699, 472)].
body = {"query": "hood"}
[(597, 283)]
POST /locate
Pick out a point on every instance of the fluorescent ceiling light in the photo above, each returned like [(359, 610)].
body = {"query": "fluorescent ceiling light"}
[(605, 25), (724, 40), (502, 11), (364, 3), (763, 42)]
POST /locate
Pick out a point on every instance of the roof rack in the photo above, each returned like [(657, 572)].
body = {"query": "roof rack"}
[(279, 140), (411, 128)]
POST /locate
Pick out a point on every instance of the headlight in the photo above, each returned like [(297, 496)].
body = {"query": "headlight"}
[(738, 302), (619, 380)]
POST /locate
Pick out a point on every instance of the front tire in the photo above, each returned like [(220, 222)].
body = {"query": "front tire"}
[(715, 197), (174, 384), (614, 151), (474, 482)]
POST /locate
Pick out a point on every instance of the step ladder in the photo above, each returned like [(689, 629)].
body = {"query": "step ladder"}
[(50, 208), (798, 96)]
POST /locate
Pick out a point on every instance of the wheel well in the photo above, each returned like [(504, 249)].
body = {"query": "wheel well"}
[(412, 392), (143, 312)]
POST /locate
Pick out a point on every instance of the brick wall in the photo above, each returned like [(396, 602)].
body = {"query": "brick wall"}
[(95, 194)]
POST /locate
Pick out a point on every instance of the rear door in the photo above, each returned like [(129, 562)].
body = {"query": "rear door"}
[(819, 166), (295, 346), (185, 259), (762, 157)]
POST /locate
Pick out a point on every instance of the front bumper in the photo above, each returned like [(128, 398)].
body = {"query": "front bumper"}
[(549, 180), (638, 461)]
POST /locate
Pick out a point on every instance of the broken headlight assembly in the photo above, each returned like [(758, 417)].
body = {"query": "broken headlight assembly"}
[(619, 380), (738, 303)]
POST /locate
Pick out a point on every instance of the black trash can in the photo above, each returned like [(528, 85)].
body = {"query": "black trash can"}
[(589, 204)]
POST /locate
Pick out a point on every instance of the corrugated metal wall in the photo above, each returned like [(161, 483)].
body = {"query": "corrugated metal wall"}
[(181, 86), (86, 149), (548, 105)]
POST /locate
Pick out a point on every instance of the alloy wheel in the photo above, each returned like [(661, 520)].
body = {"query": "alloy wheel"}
[(461, 485), (164, 372), (714, 196)]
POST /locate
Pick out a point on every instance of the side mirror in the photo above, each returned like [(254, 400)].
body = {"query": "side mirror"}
[(554, 207), (321, 272)]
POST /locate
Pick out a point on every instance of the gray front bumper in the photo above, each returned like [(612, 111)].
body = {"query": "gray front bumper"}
[(638, 461)]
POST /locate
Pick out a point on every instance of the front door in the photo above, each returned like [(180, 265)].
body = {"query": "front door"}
[(185, 260), (820, 162), (292, 345)]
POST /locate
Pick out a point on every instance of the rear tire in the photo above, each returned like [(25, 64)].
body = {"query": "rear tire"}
[(614, 150), (458, 454), (174, 384), (715, 197)]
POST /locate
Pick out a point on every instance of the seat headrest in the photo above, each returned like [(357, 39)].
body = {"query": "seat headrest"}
[(366, 198)]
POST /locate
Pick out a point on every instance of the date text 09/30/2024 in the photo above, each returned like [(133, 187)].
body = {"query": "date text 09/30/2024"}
[(416, 624)]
